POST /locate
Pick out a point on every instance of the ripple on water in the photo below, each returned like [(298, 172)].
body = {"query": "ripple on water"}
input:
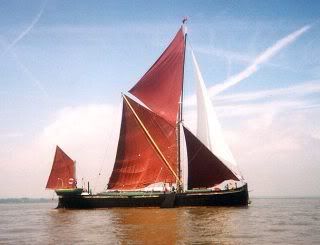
[(266, 221)]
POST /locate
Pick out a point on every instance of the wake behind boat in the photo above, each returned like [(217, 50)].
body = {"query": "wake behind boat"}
[(149, 148)]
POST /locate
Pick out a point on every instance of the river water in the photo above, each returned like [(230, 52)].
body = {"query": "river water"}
[(265, 221)]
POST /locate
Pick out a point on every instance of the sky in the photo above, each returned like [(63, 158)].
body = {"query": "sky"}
[(64, 64)]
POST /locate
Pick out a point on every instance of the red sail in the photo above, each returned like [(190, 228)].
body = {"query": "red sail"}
[(204, 168), (137, 162), (62, 174), (160, 88)]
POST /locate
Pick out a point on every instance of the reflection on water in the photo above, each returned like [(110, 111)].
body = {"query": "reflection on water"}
[(294, 221), (205, 224), (144, 225)]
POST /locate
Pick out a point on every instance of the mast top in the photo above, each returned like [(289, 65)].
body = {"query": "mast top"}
[(184, 20), (184, 25)]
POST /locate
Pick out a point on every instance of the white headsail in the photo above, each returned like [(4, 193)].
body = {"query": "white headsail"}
[(208, 127)]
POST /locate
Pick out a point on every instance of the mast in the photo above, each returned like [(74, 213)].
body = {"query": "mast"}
[(75, 173), (160, 91), (180, 115)]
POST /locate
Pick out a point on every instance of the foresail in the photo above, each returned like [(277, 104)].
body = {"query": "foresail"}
[(208, 127), (160, 88), (204, 168), (138, 164), (62, 174)]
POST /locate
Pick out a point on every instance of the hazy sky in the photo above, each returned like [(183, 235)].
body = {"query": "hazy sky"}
[(63, 65)]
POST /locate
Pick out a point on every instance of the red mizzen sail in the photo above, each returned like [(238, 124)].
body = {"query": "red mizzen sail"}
[(137, 162), (204, 168), (62, 174), (160, 88)]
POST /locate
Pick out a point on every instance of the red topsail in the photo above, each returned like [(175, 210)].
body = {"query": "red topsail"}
[(62, 174), (160, 88)]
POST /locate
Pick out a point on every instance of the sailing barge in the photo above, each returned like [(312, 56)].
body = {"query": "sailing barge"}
[(150, 144)]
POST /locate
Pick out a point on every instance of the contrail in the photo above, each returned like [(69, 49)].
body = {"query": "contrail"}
[(14, 55), (26, 70), (27, 30), (264, 57)]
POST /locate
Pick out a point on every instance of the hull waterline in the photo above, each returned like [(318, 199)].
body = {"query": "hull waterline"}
[(236, 197)]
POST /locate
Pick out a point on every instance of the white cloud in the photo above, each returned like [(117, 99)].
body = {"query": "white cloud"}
[(229, 55), (250, 103), (252, 109), (295, 91), (11, 135), (274, 136), (88, 134), (278, 153)]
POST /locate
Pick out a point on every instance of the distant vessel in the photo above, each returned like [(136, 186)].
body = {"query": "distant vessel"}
[(62, 178), (148, 168)]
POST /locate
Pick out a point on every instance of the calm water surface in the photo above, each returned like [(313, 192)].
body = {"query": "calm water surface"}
[(265, 221)]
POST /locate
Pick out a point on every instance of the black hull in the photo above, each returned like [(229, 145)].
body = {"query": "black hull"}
[(236, 197)]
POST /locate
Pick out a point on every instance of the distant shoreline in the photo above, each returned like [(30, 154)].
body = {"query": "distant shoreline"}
[(27, 200), (285, 197)]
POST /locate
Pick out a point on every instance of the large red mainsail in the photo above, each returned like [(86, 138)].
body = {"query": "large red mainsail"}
[(160, 88), (138, 164), (204, 168), (62, 175)]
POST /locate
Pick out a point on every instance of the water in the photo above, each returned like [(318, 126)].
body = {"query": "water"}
[(265, 221)]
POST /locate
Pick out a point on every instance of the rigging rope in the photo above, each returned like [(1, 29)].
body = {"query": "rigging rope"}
[(107, 153)]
